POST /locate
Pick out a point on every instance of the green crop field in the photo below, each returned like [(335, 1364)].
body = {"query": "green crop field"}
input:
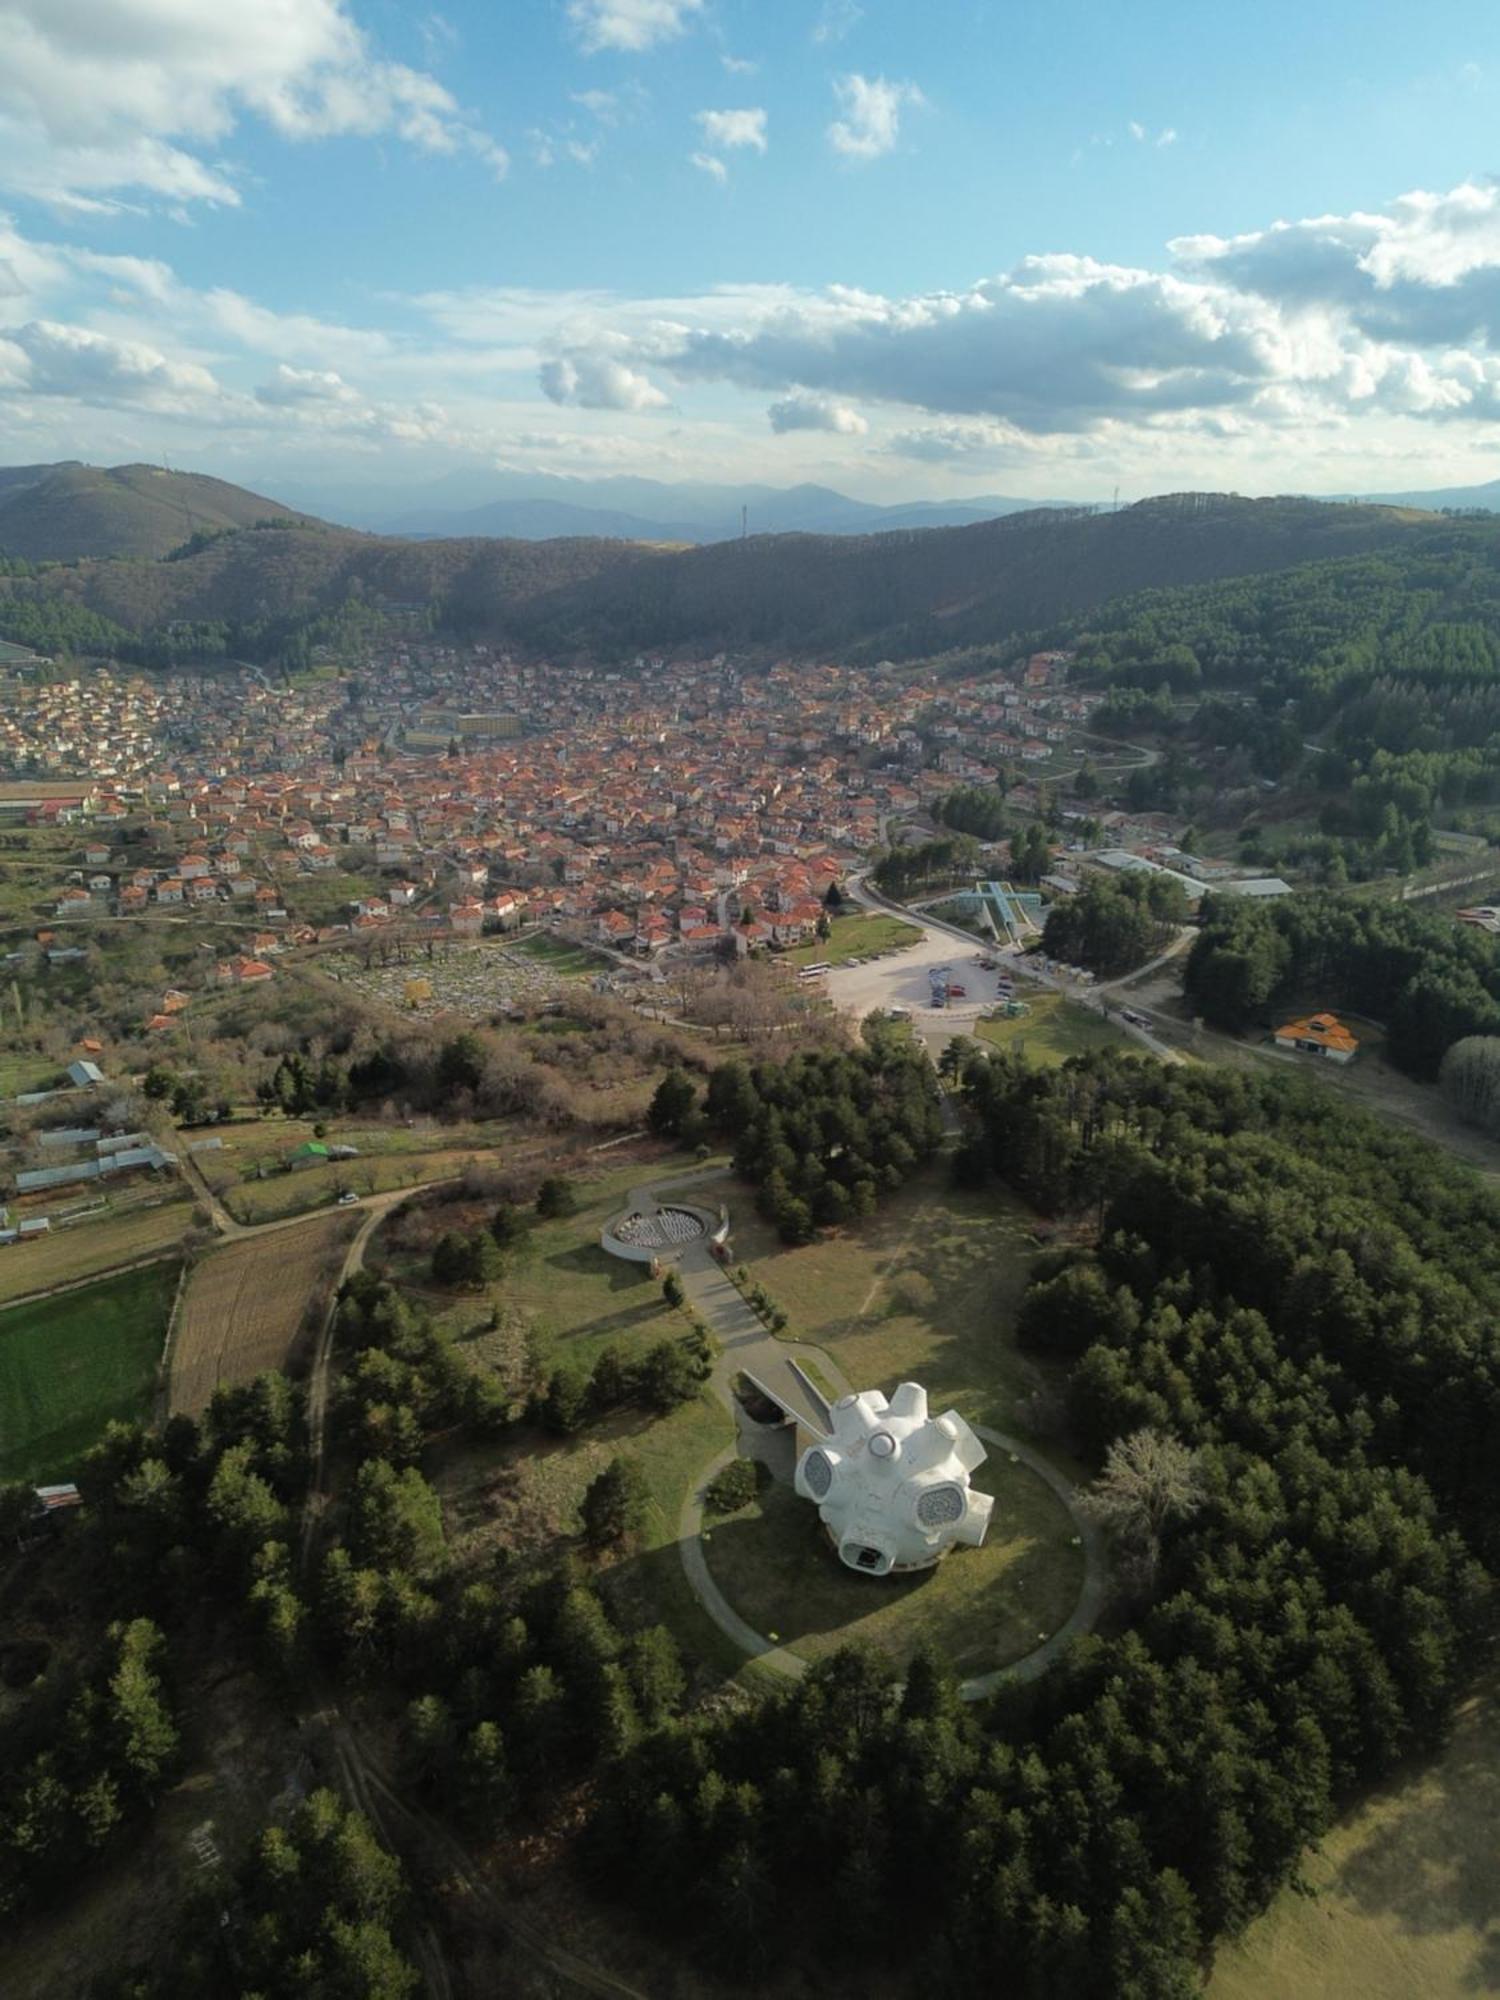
[(69, 1364)]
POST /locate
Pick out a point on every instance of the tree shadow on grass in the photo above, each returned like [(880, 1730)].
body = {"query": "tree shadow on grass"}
[(1430, 1861), (589, 1261)]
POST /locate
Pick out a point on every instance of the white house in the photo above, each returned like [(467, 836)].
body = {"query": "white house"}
[(892, 1482)]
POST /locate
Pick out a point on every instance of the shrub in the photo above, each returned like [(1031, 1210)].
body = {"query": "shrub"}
[(732, 1487)]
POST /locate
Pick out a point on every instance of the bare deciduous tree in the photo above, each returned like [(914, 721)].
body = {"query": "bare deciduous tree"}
[(1149, 1480)]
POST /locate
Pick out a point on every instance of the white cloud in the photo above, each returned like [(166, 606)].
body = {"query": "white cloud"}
[(1167, 136), (1143, 136), (727, 129), (632, 25), (594, 381), (1136, 130), (739, 65), (836, 18), (291, 388), (871, 121), (91, 367), (815, 413), (707, 164), (602, 103), (100, 97)]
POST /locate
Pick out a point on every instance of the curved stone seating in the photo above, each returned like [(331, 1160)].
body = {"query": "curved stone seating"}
[(640, 1233)]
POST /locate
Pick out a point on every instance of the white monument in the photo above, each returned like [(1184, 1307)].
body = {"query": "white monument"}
[(892, 1483)]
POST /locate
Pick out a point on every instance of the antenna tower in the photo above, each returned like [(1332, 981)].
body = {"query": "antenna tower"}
[(744, 523)]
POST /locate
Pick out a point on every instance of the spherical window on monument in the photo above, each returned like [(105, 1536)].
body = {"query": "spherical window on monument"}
[(883, 1445)]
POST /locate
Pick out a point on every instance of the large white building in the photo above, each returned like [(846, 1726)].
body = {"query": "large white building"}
[(892, 1482)]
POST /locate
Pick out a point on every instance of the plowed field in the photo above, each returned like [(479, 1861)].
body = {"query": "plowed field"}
[(247, 1304)]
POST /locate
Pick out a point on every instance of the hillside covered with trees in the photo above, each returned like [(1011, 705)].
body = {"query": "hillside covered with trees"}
[(902, 594)]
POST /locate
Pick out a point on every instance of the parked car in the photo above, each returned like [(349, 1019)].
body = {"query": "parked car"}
[(348, 1198)]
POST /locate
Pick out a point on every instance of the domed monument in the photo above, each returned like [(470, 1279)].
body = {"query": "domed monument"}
[(892, 1482)]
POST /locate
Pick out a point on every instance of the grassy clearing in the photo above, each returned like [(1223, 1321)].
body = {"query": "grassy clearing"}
[(70, 1364), (89, 1248), (927, 1288), (560, 955), (579, 1298), (310, 1188), (855, 937), (1405, 1893), (981, 1607), (1053, 1029)]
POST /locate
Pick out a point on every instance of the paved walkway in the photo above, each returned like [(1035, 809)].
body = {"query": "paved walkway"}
[(747, 1347)]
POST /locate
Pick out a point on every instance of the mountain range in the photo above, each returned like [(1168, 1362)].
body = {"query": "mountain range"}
[(531, 506)]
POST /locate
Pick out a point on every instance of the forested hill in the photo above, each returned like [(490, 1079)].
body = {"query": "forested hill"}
[(903, 594), (256, 591), (61, 513), (926, 591)]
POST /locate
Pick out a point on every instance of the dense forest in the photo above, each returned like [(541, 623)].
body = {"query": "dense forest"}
[(1429, 981), (1374, 680), (1115, 924), (824, 1135), (1290, 1308), (862, 596)]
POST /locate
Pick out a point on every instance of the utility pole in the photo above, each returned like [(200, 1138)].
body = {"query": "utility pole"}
[(744, 524)]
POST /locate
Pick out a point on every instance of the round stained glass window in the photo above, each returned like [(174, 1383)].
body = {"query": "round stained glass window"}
[(940, 1506)]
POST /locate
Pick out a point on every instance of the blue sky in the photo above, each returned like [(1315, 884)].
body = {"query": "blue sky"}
[(902, 248)]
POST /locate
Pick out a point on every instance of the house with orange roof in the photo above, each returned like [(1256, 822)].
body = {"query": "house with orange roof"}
[(1319, 1035)]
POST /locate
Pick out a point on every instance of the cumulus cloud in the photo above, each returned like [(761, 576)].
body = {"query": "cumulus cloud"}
[(93, 367), (127, 98), (1426, 269), (294, 388), (871, 120), (598, 382), (707, 164), (815, 413), (728, 129), (632, 25)]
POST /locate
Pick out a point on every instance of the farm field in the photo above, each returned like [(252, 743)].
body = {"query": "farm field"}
[(1051, 1030), (855, 937), (70, 1364), (1404, 1895), (926, 1288), (981, 1608), (89, 1248), (246, 1304)]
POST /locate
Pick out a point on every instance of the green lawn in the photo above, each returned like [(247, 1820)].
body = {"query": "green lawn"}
[(69, 1364), (927, 1288), (1052, 1029), (560, 955), (855, 937), (580, 1298), (981, 1608)]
